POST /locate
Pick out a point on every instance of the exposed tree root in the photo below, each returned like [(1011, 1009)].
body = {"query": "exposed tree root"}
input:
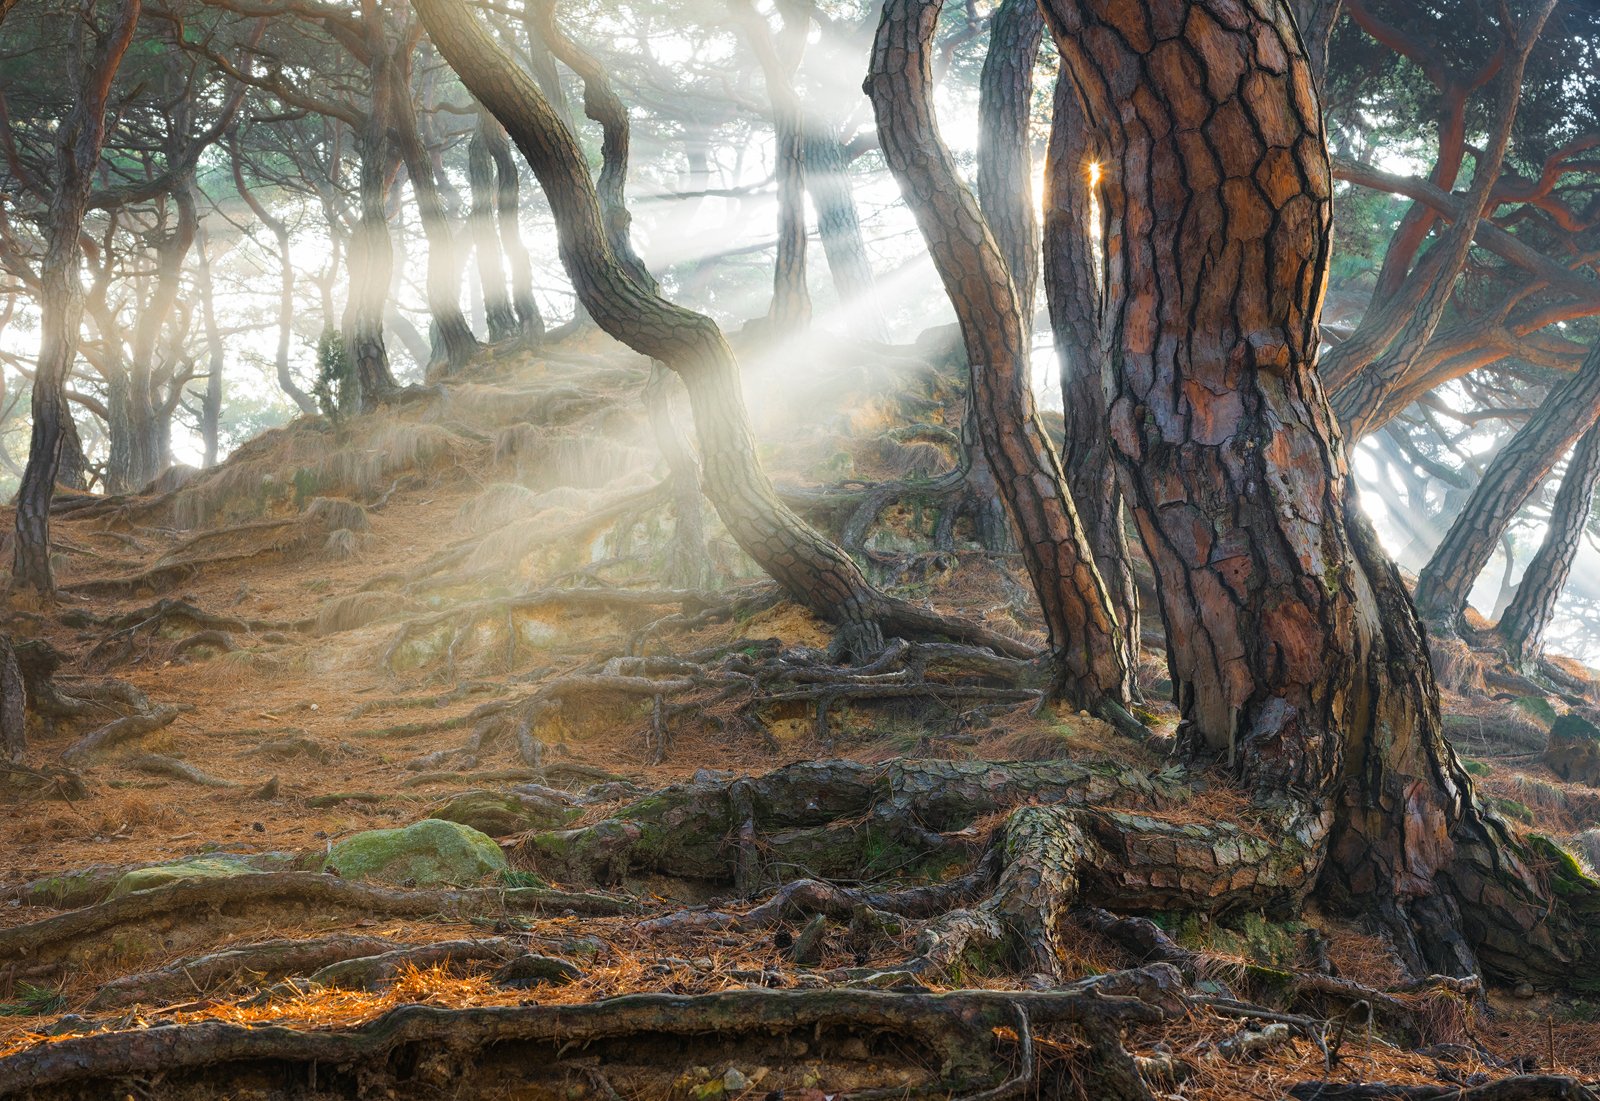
[(119, 730), (417, 1049), (157, 765), (1528, 1087), (159, 920)]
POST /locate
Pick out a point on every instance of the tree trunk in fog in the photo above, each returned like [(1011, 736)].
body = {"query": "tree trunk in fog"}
[(211, 404), (791, 299), (809, 566), (1523, 625), (1516, 471), (827, 179), (1073, 288), (280, 234), (508, 212), (456, 343), (371, 251), (78, 142), (1294, 649), (499, 317), (1090, 659)]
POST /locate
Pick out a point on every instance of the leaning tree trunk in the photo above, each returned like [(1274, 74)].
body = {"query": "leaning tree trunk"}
[(457, 345), (1517, 469), (78, 139), (1090, 658), (1074, 290), (498, 314), (211, 404), (1293, 647), (1523, 624), (808, 565), (1005, 165)]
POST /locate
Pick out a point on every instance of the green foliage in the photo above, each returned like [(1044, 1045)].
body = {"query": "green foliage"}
[(33, 1001), (335, 386)]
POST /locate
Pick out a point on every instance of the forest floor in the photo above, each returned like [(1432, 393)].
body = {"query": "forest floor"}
[(481, 608)]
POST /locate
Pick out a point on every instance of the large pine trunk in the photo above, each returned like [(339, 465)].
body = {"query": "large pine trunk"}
[(1294, 649), (827, 179), (1526, 618), (498, 314), (1515, 472)]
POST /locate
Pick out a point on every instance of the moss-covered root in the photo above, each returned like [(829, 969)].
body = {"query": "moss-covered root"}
[(1056, 855), (839, 819)]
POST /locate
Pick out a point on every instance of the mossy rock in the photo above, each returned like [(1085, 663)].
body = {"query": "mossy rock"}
[(1573, 751), (499, 813), (222, 866), (430, 853)]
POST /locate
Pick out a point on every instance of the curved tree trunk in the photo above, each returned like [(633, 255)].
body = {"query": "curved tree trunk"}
[(1518, 468), (498, 314), (1294, 649), (1091, 660), (78, 142), (1073, 288), (1523, 625), (809, 566), (211, 404)]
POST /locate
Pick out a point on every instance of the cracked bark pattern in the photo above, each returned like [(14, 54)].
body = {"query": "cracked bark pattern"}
[(498, 313), (78, 142), (1091, 662), (1516, 471), (1525, 619), (1293, 644), (13, 704), (1005, 166), (827, 179), (1073, 289), (810, 567)]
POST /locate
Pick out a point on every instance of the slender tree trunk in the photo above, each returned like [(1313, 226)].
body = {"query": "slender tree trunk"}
[(13, 705), (280, 234), (1005, 164), (1526, 618), (457, 345), (507, 209), (810, 567), (1515, 472), (371, 250), (1294, 649), (791, 299), (211, 404), (1074, 290), (1090, 658), (78, 141), (827, 178), (499, 317)]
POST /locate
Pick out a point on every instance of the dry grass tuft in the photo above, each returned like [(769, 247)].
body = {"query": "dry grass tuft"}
[(1457, 666), (353, 610), (334, 513)]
